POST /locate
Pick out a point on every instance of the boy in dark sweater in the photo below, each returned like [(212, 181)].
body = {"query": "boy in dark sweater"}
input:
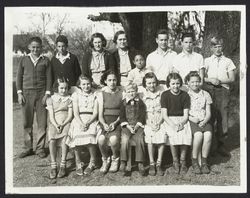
[(132, 118), (33, 87)]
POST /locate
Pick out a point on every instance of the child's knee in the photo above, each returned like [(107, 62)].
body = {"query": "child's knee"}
[(114, 141), (101, 140)]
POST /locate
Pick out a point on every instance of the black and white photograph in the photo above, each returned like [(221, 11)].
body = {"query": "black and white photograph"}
[(140, 99)]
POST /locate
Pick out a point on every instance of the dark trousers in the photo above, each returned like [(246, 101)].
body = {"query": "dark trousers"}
[(127, 138), (33, 102), (219, 109)]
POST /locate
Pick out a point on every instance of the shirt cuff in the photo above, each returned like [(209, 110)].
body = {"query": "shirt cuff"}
[(47, 92), (140, 124), (124, 124), (19, 91)]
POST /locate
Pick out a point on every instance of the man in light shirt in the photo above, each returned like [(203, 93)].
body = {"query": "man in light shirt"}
[(160, 61), (219, 74), (188, 60)]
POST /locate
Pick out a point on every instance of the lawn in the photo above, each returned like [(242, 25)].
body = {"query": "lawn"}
[(33, 171)]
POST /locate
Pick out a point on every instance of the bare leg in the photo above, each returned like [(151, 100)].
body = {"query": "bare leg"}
[(198, 138), (151, 151), (206, 143), (52, 150)]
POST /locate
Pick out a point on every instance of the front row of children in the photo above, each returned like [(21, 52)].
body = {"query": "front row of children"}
[(109, 120)]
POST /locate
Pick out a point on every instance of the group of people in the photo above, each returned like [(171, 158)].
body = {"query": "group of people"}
[(114, 101)]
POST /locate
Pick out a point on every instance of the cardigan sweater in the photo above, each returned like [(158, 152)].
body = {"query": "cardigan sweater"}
[(115, 61), (86, 63), (34, 77), (70, 69)]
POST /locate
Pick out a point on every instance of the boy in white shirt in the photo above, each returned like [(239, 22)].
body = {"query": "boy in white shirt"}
[(219, 74), (188, 60), (160, 61)]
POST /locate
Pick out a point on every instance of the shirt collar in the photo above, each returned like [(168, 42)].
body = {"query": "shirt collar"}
[(161, 52), (185, 53), (95, 53), (194, 94), (57, 98), (34, 61), (63, 57), (216, 57), (152, 95), (122, 52), (132, 99)]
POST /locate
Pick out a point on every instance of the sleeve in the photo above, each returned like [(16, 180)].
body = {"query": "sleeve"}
[(208, 98), (231, 66), (19, 77), (148, 63), (206, 66), (77, 68), (131, 76), (123, 119), (142, 112), (164, 101), (48, 76), (70, 105), (74, 97), (186, 101), (49, 104), (201, 62)]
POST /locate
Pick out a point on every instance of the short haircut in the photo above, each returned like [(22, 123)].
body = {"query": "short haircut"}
[(63, 39), (185, 35), (192, 74), (117, 34), (35, 39), (137, 52), (216, 41), (58, 81), (97, 35), (105, 76), (147, 76), (173, 76), (131, 85), (161, 31), (81, 78)]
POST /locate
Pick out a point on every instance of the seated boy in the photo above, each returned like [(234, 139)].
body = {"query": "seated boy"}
[(132, 118)]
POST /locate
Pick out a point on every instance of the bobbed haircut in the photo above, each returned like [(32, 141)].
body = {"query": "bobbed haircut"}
[(173, 76), (105, 76), (63, 39), (187, 35), (81, 78), (147, 76), (36, 39), (97, 35), (58, 81), (117, 34), (192, 74), (130, 86), (161, 31)]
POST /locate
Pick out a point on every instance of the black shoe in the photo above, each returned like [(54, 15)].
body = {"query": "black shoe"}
[(142, 170), (205, 169), (62, 172), (159, 170), (196, 168), (26, 153), (127, 172), (152, 170)]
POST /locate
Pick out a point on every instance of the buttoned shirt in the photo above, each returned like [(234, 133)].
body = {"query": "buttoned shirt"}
[(125, 65), (218, 67), (97, 62), (161, 63), (136, 75), (186, 62)]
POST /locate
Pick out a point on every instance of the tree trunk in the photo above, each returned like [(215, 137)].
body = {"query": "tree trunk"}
[(227, 26), (152, 21)]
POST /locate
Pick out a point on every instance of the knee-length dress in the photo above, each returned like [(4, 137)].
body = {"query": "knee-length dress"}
[(111, 110), (153, 118), (175, 105), (60, 105), (76, 136)]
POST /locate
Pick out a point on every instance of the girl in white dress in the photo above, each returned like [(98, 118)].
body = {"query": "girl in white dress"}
[(84, 127)]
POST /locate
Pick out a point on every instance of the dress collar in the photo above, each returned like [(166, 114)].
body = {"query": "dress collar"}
[(57, 98), (63, 57)]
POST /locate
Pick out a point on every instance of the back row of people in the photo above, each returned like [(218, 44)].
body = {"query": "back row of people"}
[(36, 74)]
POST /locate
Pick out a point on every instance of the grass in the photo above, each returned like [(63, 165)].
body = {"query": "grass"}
[(34, 172)]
